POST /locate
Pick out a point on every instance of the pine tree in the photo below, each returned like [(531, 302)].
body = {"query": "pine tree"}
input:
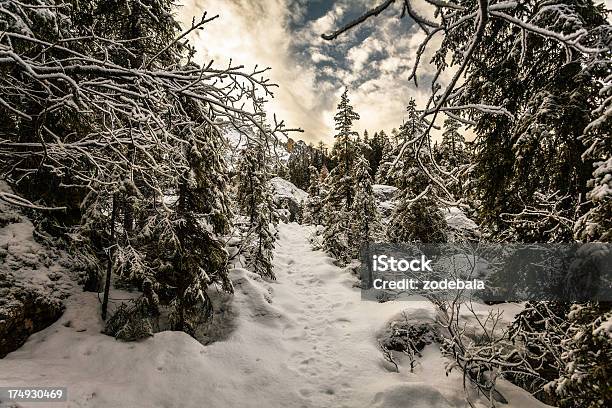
[(199, 258), (255, 200), (451, 148), (314, 206), (392, 164), (416, 217), (366, 225), (340, 184), (344, 148), (381, 149)]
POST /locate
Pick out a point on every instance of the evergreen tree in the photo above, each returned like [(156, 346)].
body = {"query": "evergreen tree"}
[(314, 206), (198, 256), (451, 149), (366, 225), (452, 156), (255, 202), (377, 146), (390, 170), (416, 216), (255, 199), (337, 222), (344, 148), (386, 163), (340, 184)]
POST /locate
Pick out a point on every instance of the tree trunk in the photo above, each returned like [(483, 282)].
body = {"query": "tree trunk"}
[(109, 269)]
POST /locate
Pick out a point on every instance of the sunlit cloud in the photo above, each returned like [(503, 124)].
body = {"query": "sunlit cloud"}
[(373, 60)]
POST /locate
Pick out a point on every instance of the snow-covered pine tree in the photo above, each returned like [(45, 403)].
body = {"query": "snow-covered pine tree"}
[(197, 254), (453, 157), (586, 358), (386, 163), (392, 165), (314, 206), (340, 183), (383, 154), (255, 200), (452, 147), (366, 225), (596, 223), (416, 216), (337, 228)]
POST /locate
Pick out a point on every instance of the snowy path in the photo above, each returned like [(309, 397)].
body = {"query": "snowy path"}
[(305, 340)]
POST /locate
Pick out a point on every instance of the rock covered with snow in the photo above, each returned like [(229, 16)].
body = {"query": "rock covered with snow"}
[(288, 196), (459, 224), (33, 280)]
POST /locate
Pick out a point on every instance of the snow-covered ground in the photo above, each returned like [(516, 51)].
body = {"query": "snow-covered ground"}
[(305, 340)]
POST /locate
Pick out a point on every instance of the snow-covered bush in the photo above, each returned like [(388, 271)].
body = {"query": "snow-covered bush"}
[(570, 348), (408, 337), (131, 321), (585, 378)]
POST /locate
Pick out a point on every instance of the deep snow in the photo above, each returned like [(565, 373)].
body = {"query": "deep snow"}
[(305, 340)]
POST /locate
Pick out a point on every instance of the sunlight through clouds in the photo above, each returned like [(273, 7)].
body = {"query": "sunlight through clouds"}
[(373, 60)]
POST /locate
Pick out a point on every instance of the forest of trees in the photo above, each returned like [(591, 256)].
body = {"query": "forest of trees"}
[(116, 135), (535, 94), (112, 140)]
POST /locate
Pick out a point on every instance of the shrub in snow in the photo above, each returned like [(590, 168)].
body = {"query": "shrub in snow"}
[(585, 378), (570, 348), (131, 321), (408, 337)]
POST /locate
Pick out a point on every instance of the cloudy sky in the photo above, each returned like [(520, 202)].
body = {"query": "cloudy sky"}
[(373, 60)]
